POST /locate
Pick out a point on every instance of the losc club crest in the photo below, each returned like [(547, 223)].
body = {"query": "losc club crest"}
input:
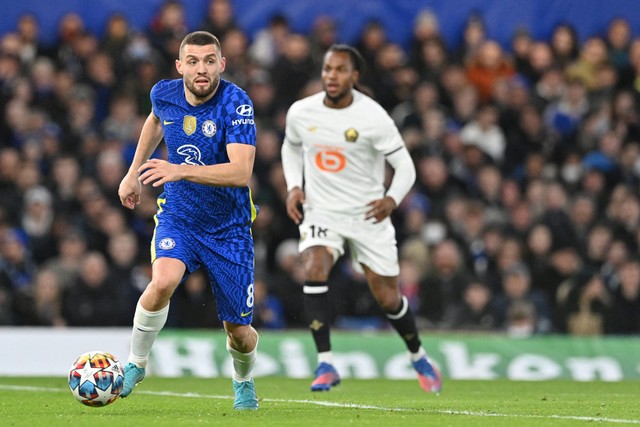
[(189, 125), (167, 243), (351, 135)]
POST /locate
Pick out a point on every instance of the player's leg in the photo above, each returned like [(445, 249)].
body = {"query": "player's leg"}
[(242, 345), (150, 316), (231, 271), (385, 290), (317, 262), (172, 255), (373, 246)]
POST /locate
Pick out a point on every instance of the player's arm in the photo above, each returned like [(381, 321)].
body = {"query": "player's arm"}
[(150, 137), (292, 167), (236, 173), (404, 176)]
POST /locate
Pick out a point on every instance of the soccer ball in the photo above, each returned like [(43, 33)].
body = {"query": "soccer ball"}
[(96, 378)]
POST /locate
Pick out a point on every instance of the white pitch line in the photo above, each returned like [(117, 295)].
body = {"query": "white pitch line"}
[(347, 405)]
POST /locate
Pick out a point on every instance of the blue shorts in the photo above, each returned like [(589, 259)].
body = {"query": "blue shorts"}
[(229, 263)]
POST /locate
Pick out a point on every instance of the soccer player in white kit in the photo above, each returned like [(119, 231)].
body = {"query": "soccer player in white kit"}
[(334, 152)]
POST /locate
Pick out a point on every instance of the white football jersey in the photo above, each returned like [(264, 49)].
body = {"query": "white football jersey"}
[(343, 151)]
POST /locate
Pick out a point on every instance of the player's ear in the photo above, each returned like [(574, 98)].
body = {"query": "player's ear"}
[(356, 76), (223, 64), (179, 66)]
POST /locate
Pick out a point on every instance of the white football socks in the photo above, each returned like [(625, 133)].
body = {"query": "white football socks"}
[(326, 357), (243, 362), (418, 355), (146, 326)]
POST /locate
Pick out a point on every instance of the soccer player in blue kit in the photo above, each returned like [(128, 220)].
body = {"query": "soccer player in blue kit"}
[(205, 214)]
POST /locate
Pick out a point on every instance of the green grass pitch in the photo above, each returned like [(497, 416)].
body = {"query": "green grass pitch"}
[(157, 402)]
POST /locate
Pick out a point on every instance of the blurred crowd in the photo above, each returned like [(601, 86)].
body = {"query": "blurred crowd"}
[(525, 217)]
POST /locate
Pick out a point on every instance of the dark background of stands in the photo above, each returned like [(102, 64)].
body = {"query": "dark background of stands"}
[(528, 159)]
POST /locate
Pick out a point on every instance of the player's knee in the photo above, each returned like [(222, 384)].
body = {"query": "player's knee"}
[(388, 301), (162, 287), (317, 271), (243, 336)]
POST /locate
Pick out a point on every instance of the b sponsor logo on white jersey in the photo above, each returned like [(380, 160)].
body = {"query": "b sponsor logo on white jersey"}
[(167, 243), (209, 128), (191, 153)]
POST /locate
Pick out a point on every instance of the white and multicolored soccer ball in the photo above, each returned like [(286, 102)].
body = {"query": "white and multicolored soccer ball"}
[(96, 378)]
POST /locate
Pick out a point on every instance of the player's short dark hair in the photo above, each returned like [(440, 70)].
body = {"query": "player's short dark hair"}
[(200, 38), (356, 59)]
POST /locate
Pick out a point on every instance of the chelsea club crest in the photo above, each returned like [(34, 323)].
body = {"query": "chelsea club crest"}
[(209, 128), (167, 243)]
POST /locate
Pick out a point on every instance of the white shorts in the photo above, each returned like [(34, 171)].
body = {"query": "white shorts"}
[(371, 244)]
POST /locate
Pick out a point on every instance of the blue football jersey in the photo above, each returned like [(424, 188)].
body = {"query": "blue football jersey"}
[(199, 136)]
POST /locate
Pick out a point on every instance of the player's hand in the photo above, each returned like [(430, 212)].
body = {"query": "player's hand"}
[(295, 199), (380, 208), (129, 191), (157, 172)]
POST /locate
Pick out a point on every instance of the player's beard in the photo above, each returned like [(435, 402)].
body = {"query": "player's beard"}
[(203, 92), (335, 99)]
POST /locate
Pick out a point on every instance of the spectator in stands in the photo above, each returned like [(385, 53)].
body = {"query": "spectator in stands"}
[(537, 257), (123, 251), (29, 32), (93, 299), (166, 30), (529, 134), (582, 213), (474, 34), (115, 41), (474, 312), (486, 66), (521, 45), (37, 222), (598, 243), (220, 19), (286, 284), (618, 39), (617, 255), (372, 37), (540, 61), (444, 284), (269, 313), (564, 44), (269, 42), (71, 27), (518, 303), (42, 306), (624, 313), (72, 245), (291, 71), (583, 304), (17, 267), (323, 33), (593, 56), (194, 305), (565, 114)]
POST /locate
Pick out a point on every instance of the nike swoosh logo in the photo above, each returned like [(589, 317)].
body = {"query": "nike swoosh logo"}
[(246, 314), (166, 122)]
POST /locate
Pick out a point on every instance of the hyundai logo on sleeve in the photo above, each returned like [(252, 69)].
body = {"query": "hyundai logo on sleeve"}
[(245, 110)]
